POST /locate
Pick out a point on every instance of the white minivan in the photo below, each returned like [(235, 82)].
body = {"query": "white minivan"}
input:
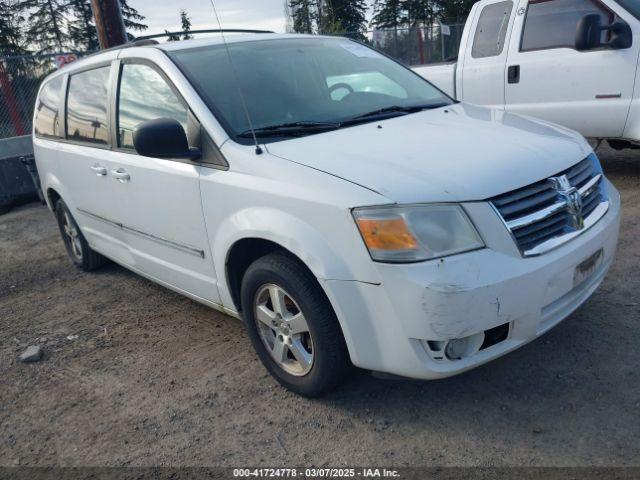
[(349, 212)]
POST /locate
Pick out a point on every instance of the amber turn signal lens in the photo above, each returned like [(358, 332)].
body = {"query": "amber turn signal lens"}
[(388, 234)]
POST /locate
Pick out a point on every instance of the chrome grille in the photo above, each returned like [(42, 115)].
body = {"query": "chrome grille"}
[(543, 215)]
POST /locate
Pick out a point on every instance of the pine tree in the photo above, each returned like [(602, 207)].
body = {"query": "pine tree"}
[(420, 12), (454, 10), (12, 17), (132, 18), (388, 14), (185, 21), (346, 16), (399, 13), (81, 27), (302, 13), (82, 30), (46, 25), (323, 17)]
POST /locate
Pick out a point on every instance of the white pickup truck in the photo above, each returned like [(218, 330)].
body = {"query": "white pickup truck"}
[(571, 62)]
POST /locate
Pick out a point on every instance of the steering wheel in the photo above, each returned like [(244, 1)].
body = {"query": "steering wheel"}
[(339, 86)]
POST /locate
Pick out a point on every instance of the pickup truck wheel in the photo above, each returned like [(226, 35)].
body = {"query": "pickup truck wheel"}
[(293, 327), (77, 247)]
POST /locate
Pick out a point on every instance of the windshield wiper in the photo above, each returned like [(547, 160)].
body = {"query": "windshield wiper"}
[(394, 109), (291, 129), (297, 129)]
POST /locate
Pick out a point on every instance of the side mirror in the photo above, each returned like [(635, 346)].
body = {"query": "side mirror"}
[(621, 36), (163, 138), (589, 34)]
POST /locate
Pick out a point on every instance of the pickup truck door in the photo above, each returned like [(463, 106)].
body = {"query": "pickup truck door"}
[(483, 64), (160, 207), (546, 77)]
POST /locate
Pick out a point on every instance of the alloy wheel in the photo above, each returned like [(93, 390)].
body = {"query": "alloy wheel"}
[(284, 330), (72, 235)]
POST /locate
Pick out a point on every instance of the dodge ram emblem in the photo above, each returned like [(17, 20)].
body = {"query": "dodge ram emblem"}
[(573, 199)]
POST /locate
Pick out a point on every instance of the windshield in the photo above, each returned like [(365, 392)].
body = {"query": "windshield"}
[(301, 81), (632, 6)]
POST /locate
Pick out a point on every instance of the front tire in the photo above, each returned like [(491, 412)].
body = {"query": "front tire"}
[(293, 327), (80, 253)]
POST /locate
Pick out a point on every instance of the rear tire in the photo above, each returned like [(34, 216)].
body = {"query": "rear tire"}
[(293, 327), (79, 251)]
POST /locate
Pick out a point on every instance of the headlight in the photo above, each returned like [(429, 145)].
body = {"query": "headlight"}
[(416, 233)]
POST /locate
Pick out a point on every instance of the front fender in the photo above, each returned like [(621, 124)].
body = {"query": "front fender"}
[(298, 237)]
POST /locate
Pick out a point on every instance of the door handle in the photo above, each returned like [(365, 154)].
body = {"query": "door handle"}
[(99, 170), (513, 74), (120, 175)]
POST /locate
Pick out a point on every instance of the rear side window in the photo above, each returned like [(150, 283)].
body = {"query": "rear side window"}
[(47, 122), (87, 106), (492, 30), (145, 95), (553, 23)]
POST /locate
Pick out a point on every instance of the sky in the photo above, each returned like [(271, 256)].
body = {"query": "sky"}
[(251, 14)]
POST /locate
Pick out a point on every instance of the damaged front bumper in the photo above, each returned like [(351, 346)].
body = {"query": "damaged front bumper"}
[(493, 297)]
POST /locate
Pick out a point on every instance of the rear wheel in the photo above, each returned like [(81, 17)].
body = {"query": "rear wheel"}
[(77, 247), (292, 326)]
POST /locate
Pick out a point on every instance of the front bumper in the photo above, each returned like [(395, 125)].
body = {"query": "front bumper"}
[(387, 326)]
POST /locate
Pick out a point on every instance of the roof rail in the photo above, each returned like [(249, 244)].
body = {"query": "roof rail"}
[(142, 42), (130, 44), (191, 32), (149, 39)]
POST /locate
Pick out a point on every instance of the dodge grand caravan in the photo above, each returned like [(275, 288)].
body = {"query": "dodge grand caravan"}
[(349, 212)]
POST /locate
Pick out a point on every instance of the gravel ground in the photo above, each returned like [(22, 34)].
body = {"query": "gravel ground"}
[(134, 374)]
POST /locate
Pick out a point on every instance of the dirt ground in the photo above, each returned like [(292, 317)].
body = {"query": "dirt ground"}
[(134, 374)]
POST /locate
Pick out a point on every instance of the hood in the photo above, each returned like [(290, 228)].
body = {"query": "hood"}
[(458, 153)]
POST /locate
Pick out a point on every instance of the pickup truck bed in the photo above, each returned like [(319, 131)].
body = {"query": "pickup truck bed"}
[(442, 75)]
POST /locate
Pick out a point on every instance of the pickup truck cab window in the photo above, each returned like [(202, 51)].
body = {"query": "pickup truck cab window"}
[(47, 122), (87, 106), (144, 95), (491, 30), (286, 81), (552, 23)]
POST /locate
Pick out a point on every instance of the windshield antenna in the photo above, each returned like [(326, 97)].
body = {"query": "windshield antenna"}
[(235, 73)]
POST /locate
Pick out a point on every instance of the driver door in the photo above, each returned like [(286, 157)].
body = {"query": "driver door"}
[(546, 77)]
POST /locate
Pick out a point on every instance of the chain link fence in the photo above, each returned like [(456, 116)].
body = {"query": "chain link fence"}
[(419, 46), (20, 77)]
